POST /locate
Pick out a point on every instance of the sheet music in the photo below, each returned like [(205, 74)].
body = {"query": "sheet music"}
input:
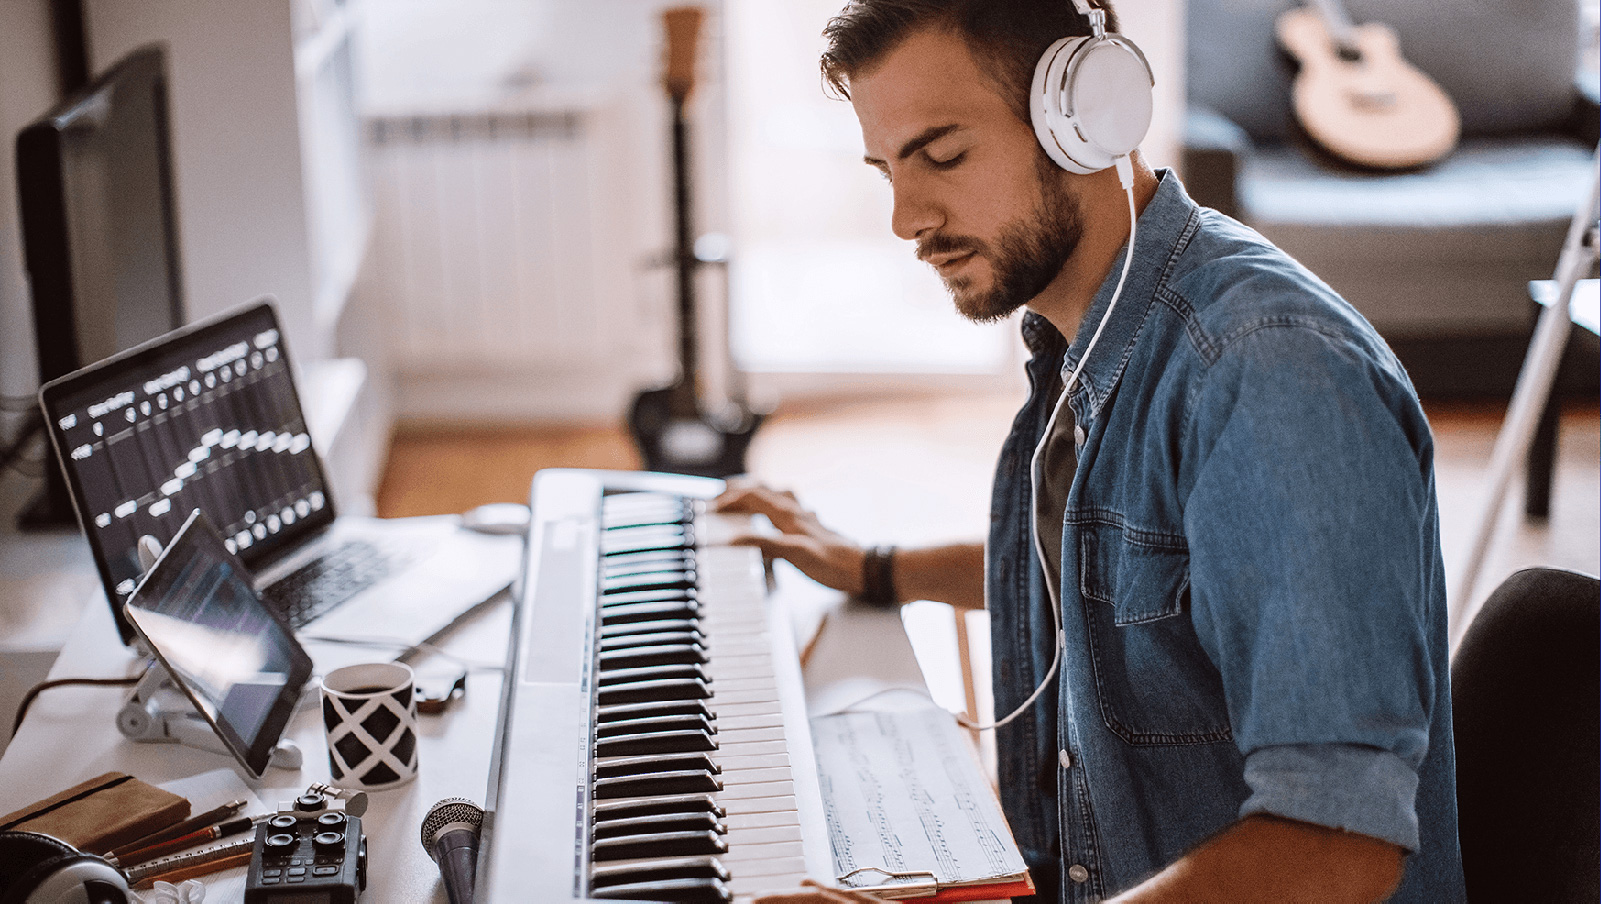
[(903, 793)]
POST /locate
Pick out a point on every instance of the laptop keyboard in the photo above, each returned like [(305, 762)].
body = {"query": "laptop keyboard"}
[(329, 580)]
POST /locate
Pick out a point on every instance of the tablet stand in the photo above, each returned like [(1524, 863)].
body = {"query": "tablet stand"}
[(160, 713)]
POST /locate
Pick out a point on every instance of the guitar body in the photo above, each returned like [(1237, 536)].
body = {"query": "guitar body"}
[(1362, 102)]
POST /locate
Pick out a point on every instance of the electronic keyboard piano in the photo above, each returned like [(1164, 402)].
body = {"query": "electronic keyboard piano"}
[(653, 742)]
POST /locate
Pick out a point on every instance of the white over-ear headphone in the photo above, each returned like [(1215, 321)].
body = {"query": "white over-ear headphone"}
[(1091, 101)]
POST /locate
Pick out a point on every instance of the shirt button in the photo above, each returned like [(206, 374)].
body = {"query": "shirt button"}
[(1065, 758), (1078, 434), (1077, 873)]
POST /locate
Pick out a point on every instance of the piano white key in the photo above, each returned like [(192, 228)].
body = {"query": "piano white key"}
[(732, 781), (750, 806), (746, 709), (763, 835), (761, 859), (731, 793), (738, 722), (749, 748), (740, 821)]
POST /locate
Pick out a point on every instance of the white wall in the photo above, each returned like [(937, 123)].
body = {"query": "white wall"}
[(236, 146), (27, 89)]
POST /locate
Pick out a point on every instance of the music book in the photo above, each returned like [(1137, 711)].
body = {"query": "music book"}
[(910, 812)]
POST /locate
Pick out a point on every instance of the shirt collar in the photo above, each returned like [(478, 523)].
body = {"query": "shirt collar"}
[(1161, 228)]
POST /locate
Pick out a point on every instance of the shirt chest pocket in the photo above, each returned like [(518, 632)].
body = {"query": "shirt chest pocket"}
[(1154, 683)]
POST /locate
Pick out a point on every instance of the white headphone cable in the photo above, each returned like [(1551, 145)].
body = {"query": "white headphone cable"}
[(1125, 178)]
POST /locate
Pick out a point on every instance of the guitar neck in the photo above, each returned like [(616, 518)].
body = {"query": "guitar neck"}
[(1341, 29)]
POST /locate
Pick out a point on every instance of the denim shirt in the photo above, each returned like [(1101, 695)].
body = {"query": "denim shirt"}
[(1252, 593)]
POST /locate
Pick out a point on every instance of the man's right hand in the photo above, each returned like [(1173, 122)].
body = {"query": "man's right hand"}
[(821, 554)]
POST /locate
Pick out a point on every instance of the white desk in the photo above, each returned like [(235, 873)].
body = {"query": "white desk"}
[(70, 735)]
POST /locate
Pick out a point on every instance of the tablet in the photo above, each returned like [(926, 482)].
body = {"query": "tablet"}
[(237, 661)]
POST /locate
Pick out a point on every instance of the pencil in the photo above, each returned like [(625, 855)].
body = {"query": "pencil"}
[(182, 827), (184, 842), (191, 872)]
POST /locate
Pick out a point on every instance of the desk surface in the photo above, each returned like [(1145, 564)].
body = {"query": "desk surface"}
[(70, 734)]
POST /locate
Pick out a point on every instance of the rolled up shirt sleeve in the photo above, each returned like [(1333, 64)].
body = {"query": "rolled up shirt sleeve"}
[(1349, 787), (1310, 523)]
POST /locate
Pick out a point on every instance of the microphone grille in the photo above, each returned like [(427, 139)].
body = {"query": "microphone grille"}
[(448, 811)]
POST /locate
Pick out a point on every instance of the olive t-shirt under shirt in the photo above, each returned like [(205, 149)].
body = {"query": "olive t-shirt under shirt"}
[(1056, 464)]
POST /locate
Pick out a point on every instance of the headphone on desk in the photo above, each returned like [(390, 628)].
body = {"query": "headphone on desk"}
[(39, 869), (1091, 101)]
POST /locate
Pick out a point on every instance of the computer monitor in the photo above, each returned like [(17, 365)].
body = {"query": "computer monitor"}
[(99, 227)]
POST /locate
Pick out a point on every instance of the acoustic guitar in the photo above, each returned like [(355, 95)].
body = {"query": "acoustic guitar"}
[(1357, 98)]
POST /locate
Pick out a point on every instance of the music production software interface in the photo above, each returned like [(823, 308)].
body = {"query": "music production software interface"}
[(215, 426)]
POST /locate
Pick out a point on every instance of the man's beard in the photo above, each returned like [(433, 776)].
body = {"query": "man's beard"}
[(1029, 254)]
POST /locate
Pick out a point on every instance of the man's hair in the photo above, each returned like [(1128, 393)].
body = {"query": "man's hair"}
[(1005, 37)]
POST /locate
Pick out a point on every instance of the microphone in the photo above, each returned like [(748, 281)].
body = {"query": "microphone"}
[(450, 836)]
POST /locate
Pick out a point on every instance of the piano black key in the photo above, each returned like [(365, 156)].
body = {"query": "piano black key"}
[(648, 581), (624, 597), (686, 634), (688, 891), (653, 709), (655, 743), (654, 560), (637, 612), (654, 724), (687, 781), (646, 765), (614, 676), (651, 691), (629, 807), (662, 844), (646, 655), (659, 822)]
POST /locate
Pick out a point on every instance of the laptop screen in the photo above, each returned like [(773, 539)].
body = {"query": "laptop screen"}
[(204, 417)]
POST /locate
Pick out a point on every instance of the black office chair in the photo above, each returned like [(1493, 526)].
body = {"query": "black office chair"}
[(1526, 699)]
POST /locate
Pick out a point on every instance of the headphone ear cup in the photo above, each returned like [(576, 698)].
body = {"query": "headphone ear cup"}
[(1091, 101), (32, 863), (22, 857)]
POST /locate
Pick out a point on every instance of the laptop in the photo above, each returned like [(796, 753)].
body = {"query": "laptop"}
[(208, 417)]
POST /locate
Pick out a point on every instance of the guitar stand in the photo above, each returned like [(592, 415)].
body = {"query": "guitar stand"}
[(1579, 255), (159, 713)]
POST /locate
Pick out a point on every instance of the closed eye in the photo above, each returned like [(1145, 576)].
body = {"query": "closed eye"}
[(947, 163)]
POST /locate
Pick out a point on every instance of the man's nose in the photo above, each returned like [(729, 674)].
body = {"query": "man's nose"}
[(916, 212)]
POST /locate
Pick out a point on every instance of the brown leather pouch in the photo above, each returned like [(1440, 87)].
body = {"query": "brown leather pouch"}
[(100, 814)]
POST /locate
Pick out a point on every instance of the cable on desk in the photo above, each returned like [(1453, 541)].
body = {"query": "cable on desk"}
[(41, 687)]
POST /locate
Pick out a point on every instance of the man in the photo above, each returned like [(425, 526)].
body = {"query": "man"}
[(1232, 520)]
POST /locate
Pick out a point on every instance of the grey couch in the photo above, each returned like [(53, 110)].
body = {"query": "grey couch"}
[(1437, 258)]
